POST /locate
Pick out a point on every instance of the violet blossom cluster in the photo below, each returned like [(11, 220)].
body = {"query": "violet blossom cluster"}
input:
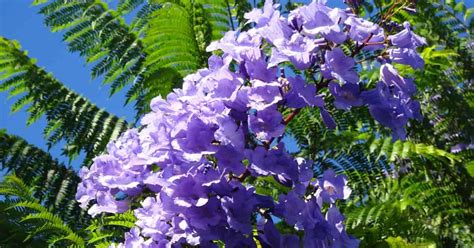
[(192, 161)]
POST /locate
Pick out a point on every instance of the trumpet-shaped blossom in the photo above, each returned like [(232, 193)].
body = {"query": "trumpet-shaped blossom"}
[(406, 56), (346, 96), (390, 103), (332, 187), (266, 124), (339, 66), (316, 19), (299, 50), (302, 94), (407, 38), (362, 30), (271, 237)]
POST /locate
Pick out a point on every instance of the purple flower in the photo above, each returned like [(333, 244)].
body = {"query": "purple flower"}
[(302, 94), (186, 191), (230, 133), (305, 174), (332, 187), (203, 217), (406, 56), (391, 117), (312, 218), (327, 118), (346, 96), (262, 17), (240, 46), (153, 219), (392, 79), (290, 207), (105, 179), (196, 139), (390, 103), (263, 95), (86, 191), (275, 162), (268, 22), (126, 147), (107, 204), (298, 50), (239, 206), (406, 38), (318, 19), (392, 111), (203, 147), (267, 124), (461, 147), (229, 158), (259, 70), (340, 237), (271, 237), (361, 30), (338, 66), (335, 218), (134, 240)]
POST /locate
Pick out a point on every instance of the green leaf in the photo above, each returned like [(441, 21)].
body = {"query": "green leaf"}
[(468, 14), (460, 7), (399, 242), (470, 167)]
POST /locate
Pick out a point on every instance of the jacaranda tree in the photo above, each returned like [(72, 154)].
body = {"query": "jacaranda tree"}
[(258, 125)]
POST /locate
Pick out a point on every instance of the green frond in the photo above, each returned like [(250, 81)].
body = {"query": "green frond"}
[(411, 208), (399, 242), (104, 230), (100, 35), (241, 7), (14, 186), (28, 215), (70, 117), (127, 6), (126, 220), (50, 181), (170, 34), (220, 16), (29, 205), (405, 149)]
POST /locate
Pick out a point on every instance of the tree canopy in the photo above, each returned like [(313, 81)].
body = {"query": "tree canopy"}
[(409, 189)]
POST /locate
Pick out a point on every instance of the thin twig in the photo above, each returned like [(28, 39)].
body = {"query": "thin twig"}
[(357, 49)]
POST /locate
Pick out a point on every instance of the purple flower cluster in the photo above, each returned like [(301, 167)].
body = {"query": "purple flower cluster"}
[(193, 160)]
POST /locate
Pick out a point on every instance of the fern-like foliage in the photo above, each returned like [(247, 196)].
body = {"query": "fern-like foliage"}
[(26, 213), (418, 210), (70, 117), (54, 184), (104, 231), (177, 36), (101, 36), (402, 198)]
